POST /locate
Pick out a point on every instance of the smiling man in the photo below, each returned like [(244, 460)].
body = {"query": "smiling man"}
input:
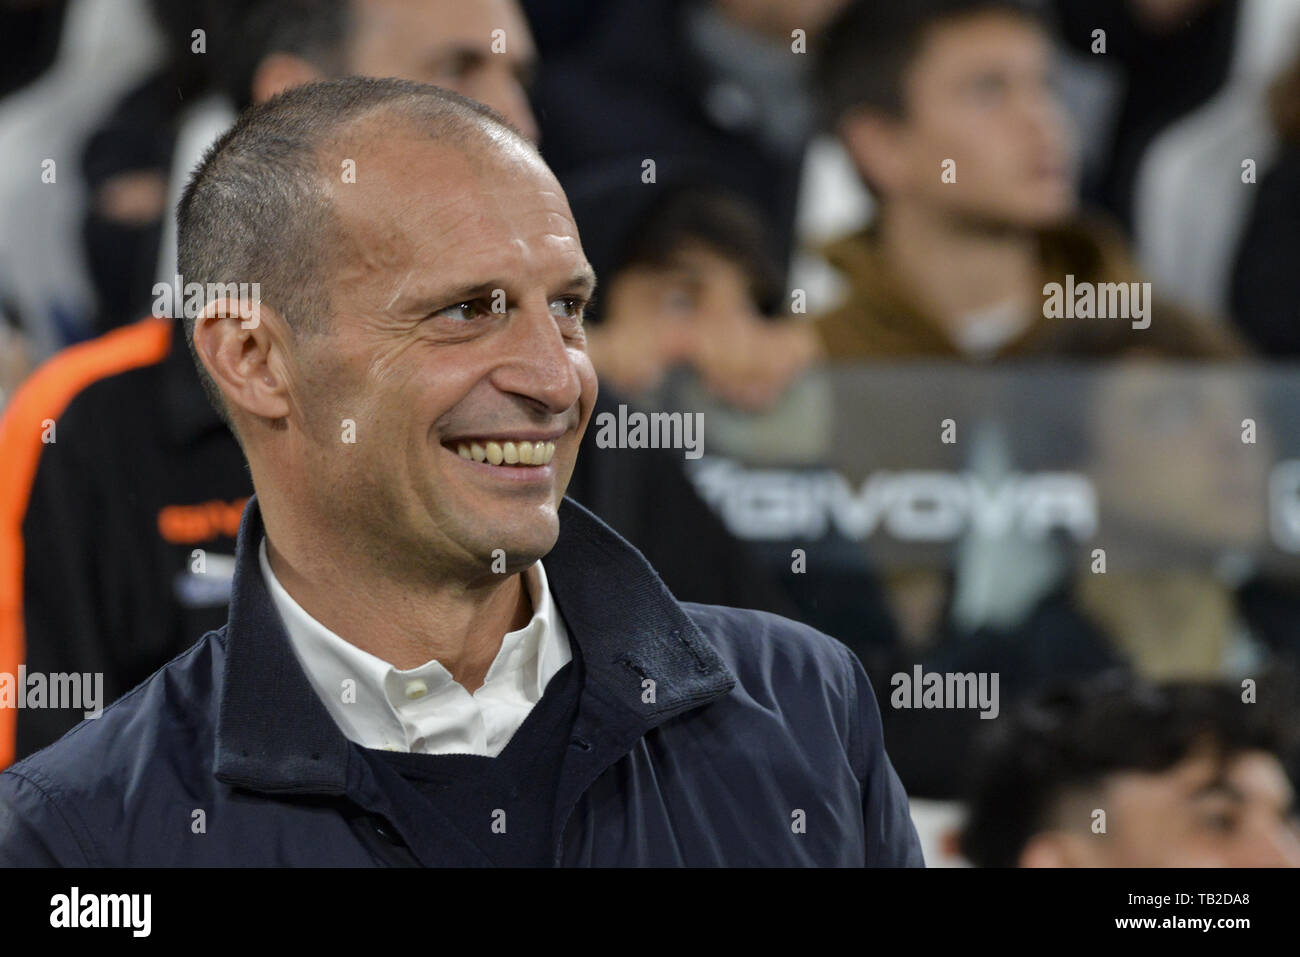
[(402, 680)]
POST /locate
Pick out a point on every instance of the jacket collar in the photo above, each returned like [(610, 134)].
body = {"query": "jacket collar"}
[(274, 734)]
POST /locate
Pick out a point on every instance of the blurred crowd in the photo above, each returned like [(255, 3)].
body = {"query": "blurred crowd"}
[(787, 203)]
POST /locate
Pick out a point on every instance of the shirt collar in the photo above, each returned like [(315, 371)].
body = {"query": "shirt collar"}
[(364, 694), (632, 634)]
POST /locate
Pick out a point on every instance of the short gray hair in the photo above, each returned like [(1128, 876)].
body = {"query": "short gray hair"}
[(257, 209)]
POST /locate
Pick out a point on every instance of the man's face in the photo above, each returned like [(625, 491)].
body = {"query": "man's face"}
[(457, 306), (449, 43), (698, 286), (1200, 813), (979, 93)]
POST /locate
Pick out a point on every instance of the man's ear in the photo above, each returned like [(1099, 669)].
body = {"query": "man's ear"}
[(875, 144), (279, 72), (246, 354)]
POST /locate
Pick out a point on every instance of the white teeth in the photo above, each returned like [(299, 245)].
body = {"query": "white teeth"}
[(508, 453)]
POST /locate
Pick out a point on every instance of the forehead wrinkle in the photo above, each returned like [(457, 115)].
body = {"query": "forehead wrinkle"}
[(379, 242), (500, 245), (524, 233), (394, 226)]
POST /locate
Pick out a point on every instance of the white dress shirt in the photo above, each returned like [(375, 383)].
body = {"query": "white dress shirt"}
[(424, 709)]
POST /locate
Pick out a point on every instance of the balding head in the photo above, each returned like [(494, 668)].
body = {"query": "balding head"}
[(260, 208)]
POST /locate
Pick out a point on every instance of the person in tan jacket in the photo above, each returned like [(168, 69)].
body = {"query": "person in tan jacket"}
[(885, 316), (947, 110)]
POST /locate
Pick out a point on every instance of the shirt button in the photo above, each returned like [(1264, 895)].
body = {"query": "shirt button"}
[(416, 689)]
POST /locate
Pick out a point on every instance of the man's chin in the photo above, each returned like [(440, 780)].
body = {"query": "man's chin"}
[(519, 548)]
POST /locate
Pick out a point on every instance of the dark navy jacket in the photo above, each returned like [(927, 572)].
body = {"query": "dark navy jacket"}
[(761, 746)]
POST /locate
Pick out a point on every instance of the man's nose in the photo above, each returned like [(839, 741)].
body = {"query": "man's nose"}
[(536, 361)]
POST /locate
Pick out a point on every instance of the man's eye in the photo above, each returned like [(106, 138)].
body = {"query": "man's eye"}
[(568, 307), (462, 310)]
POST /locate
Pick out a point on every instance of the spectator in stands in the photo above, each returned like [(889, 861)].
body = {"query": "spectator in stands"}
[(688, 282), (689, 287), (1127, 774), (1265, 283), (681, 271), (948, 111)]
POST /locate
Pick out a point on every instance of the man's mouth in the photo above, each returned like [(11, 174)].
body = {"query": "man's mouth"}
[(515, 453)]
